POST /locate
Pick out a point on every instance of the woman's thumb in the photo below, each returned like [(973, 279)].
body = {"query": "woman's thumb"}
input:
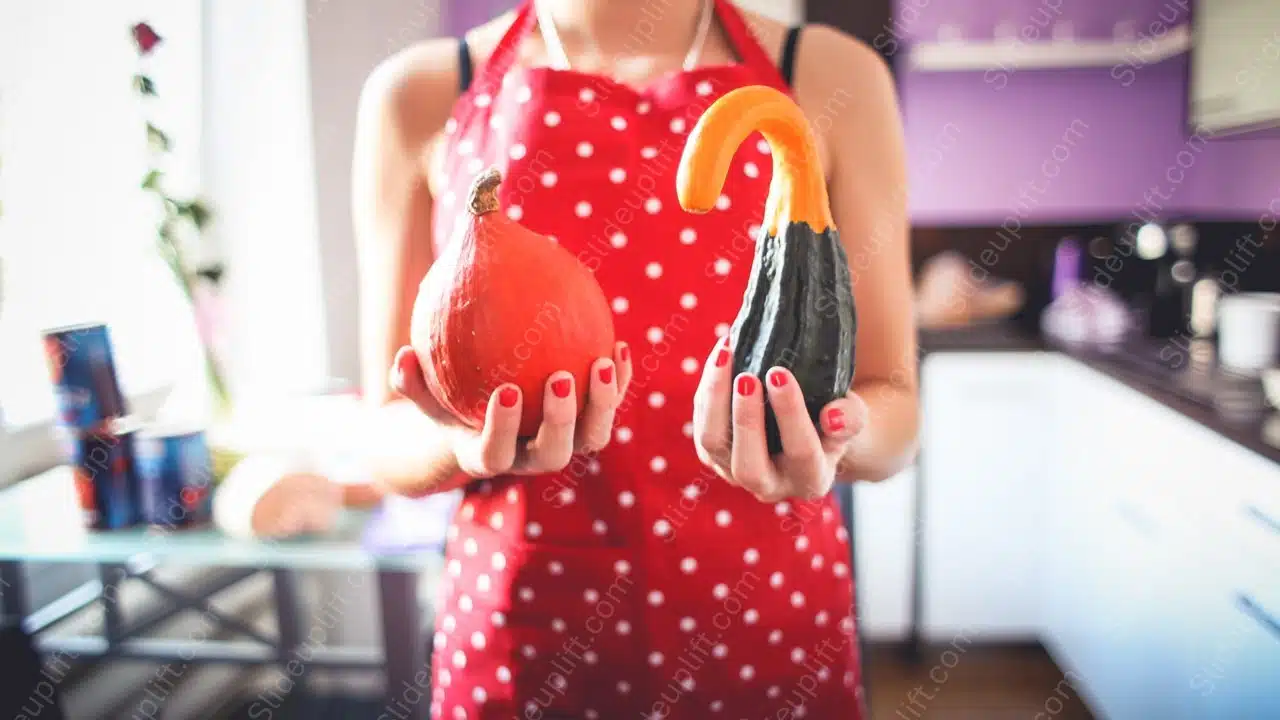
[(407, 380)]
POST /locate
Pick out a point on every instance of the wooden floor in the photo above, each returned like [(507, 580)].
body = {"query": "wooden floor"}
[(946, 683), (970, 683)]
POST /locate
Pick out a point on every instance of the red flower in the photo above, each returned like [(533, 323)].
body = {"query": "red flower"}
[(145, 38)]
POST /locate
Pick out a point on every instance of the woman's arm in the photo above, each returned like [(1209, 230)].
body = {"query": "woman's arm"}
[(403, 106), (409, 446), (404, 103), (870, 433), (857, 113)]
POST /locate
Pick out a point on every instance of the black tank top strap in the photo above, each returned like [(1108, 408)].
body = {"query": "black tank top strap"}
[(465, 66), (787, 60)]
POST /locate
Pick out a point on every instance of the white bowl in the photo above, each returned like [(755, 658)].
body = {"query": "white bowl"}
[(1271, 384)]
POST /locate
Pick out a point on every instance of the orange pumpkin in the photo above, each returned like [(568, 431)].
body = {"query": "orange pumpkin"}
[(503, 304)]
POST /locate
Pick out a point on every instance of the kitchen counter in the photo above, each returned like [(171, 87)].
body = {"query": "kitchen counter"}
[(1234, 409)]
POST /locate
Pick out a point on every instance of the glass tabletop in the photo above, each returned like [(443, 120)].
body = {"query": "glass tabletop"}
[(40, 522)]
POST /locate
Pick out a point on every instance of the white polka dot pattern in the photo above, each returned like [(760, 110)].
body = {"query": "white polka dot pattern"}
[(637, 550)]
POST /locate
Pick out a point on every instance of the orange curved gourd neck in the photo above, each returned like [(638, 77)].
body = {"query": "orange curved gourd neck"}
[(798, 191)]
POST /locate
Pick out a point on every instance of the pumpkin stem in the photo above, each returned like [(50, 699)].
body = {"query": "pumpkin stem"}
[(798, 191), (483, 197)]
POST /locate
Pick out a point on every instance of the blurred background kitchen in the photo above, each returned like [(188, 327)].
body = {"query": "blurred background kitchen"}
[(1092, 528)]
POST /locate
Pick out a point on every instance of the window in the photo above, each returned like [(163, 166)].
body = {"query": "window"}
[(77, 232)]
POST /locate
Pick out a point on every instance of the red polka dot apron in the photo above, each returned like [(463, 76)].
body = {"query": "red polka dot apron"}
[(635, 583)]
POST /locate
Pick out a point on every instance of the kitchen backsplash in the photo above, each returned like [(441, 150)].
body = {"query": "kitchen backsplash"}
[(1239, 254)]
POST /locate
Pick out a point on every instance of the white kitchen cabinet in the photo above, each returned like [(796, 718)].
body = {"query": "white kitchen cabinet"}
[(987, 429), (1107, 558), (1162, 581), (885, 543)]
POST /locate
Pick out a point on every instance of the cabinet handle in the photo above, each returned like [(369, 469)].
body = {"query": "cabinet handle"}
[(1261, 516), (1250, 607), (1137, 519)]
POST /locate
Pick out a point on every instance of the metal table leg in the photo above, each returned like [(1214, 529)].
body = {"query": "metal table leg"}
[(289, 622), (112, 577), (408, 677), (13, 593)]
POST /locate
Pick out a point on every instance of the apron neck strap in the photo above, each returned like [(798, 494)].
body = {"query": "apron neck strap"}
[(743, 40), (508, 48)]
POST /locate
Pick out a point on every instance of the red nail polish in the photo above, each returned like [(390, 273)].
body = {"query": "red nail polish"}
[(606, 374), (746, 385), (777, 378), (835, 418), (626, 353), (561, 387), (722, 357), (507, 397)]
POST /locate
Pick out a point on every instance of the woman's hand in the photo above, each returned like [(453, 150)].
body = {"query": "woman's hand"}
[(497, 449), (728, 431)]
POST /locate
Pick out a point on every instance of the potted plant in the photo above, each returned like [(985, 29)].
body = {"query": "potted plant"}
[(184, 218)]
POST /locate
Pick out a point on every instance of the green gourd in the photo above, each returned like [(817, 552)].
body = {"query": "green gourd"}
[(797, 311)]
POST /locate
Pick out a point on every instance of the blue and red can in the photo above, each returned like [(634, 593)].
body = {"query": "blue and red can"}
[(106, 477), (175, 472), (83, 370)]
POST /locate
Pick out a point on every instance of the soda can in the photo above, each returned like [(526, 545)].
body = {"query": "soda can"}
[(175, 472), (83, 370), (106, 477)]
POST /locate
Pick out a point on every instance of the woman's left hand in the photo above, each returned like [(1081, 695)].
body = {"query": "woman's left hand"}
[(728, 431)]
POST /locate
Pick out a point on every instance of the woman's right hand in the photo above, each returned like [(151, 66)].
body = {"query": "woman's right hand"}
[(497, 449)]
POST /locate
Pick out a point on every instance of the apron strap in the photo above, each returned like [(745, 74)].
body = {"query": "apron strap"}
[(489, 74), (744, 42)]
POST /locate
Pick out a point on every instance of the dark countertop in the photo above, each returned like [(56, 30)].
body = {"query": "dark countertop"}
[(1231, 407)]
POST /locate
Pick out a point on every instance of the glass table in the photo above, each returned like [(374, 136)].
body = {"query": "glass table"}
[(40, 522)]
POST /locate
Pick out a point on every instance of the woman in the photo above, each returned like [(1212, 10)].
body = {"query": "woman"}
[(637, 562)]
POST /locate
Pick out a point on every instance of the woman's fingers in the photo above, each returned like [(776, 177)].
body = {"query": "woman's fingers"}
[(552, 448), (406, 379), (842, 420), (803, 454), (493, 450), (596, 424), (622, 360), (711, 408), (750, 464)]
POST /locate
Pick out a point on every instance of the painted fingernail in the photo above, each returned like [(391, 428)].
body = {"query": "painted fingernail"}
[(722, 357), (835, 418), (561, 387), (777, 378), (606, 374), (746, 385), (507, 397), (626, 353)]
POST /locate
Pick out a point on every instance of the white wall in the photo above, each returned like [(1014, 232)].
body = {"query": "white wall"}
[(259, 172), (346, 39)]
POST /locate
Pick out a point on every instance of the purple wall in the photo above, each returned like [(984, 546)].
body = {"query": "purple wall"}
[(1057, 146), (1067, 145), (982, 145), (917, 20), (462, 15)]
